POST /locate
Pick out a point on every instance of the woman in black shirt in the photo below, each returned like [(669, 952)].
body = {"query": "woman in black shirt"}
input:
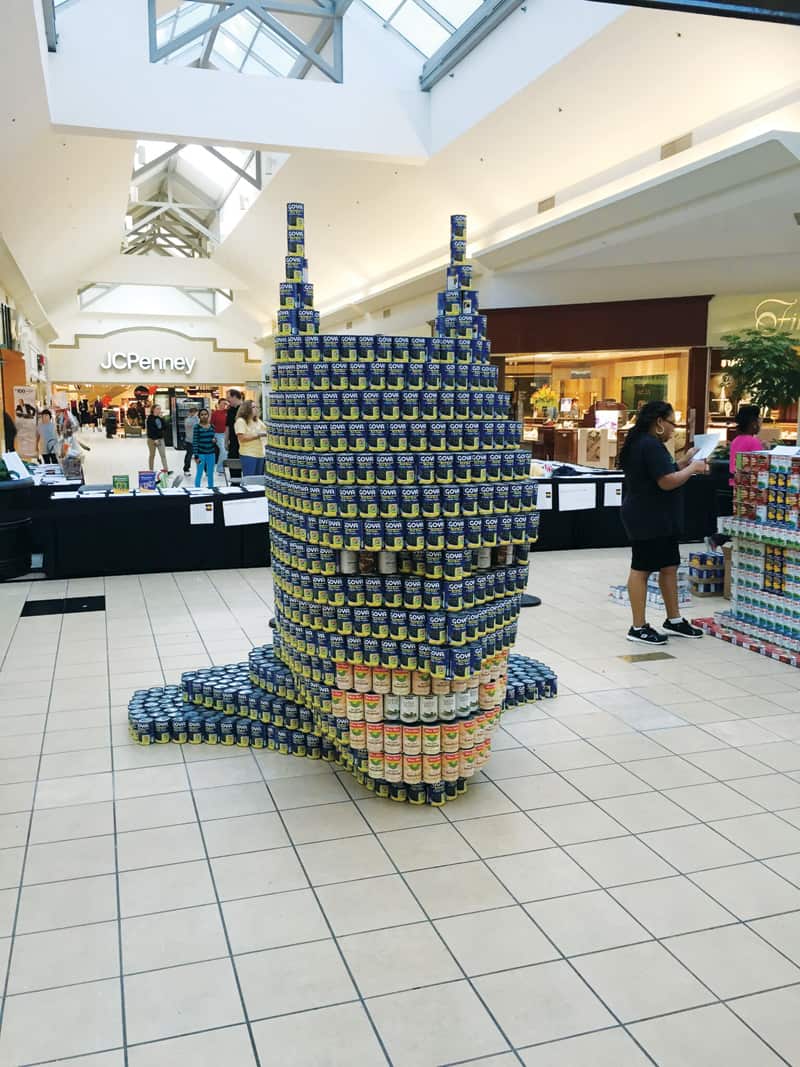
[(651, 515)]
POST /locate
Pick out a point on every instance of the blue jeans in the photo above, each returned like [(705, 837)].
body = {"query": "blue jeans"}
[(223, 452), (205, 462), (251, 465)]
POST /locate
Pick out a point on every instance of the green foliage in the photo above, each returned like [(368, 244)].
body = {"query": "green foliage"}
[(765, 366)]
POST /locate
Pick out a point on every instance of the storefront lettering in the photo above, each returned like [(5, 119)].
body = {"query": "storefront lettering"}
[(127, 360), (774, 314)]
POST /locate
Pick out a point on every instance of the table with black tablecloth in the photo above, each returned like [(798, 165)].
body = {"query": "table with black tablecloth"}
[(95, 536), (600, 526)]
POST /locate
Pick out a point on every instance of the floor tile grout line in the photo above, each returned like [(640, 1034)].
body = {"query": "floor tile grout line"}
[(209, 866), (301, 808), (20, 887), (561, 955), (698, 885), (314, 890), (117, 889), (698, 820)]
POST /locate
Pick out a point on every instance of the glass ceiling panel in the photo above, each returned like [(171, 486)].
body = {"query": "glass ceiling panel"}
[(425, 24), (417, 26), (242, 43)]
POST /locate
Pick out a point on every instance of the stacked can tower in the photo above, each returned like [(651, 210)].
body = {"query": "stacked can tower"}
[(765, 558), (401, 518)]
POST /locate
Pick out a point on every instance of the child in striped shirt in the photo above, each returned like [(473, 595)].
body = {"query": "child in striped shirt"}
[(203, 443)]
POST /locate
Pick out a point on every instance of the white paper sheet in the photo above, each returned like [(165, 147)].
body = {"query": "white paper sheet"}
[(544, 497), (576, 497), (246, 512), (170, 491), (784, 450), (201, 514), (230, 490), (15, 464), (612, 494), (705, 443)]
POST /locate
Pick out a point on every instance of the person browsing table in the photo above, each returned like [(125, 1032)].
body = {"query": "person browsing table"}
[(251, 433), (203, 449)]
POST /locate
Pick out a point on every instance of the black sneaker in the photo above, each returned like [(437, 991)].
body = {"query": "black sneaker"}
[(682, 629), (646, 635)]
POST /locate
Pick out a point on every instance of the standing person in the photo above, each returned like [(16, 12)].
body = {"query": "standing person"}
[(71, 449), (155, 437), (48, 437), (250, 431), (189, 423), (651, 515), (203, 449), (219, 421), (231, 442), (748, 425)]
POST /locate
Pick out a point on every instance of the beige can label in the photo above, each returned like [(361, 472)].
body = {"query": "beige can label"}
[(412, 769), (412, 740), (431, 769), (431, 740), (451, 737), (373, 707), (375, 766), (392, 738), (358, 735), (362, 679), (381, 679)]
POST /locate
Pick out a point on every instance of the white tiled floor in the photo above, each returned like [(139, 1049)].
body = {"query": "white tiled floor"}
[(621, 887)]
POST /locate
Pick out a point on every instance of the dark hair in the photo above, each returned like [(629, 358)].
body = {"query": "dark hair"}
[(235, 393), (746, 416), (655, 409), (47, 412)]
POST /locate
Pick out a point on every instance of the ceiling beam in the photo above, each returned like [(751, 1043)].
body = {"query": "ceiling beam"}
[(51, 36)]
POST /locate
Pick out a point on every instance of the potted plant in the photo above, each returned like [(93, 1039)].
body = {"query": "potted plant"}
[(764, 366), (545, 401)]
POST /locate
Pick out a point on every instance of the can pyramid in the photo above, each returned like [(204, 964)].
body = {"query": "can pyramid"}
[(401, 518)]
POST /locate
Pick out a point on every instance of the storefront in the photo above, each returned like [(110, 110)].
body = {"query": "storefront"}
[(731, 314), (578, 373), (120, 374)]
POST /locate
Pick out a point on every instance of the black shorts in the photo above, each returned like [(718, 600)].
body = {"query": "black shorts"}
[(655, 553)]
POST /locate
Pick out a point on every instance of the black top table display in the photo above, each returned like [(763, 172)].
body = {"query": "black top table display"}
[(146, 533)]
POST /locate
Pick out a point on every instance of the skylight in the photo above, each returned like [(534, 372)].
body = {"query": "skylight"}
[(425, 24), (185, 199), (278, 38)]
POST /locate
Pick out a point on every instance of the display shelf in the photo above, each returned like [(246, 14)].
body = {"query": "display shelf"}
[(401, 517), (765, 557)]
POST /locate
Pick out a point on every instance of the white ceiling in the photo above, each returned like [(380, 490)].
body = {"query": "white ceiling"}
[(602, 111)]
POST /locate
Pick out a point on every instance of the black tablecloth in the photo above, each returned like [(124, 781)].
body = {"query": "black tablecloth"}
[(97, 536), (601, 526)]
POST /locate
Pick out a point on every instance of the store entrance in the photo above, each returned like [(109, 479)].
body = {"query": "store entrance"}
[(120, 410)]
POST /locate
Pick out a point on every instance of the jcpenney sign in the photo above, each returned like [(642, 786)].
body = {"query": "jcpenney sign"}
[(129, 360)]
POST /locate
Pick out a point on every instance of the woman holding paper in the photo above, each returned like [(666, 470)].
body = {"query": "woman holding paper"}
[(651, 515)]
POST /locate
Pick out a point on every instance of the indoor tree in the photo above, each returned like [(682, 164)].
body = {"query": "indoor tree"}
[(764, 366)]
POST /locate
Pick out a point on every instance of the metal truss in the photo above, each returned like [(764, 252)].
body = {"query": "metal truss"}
[(165, 221), (206, 298), (269, 23)]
